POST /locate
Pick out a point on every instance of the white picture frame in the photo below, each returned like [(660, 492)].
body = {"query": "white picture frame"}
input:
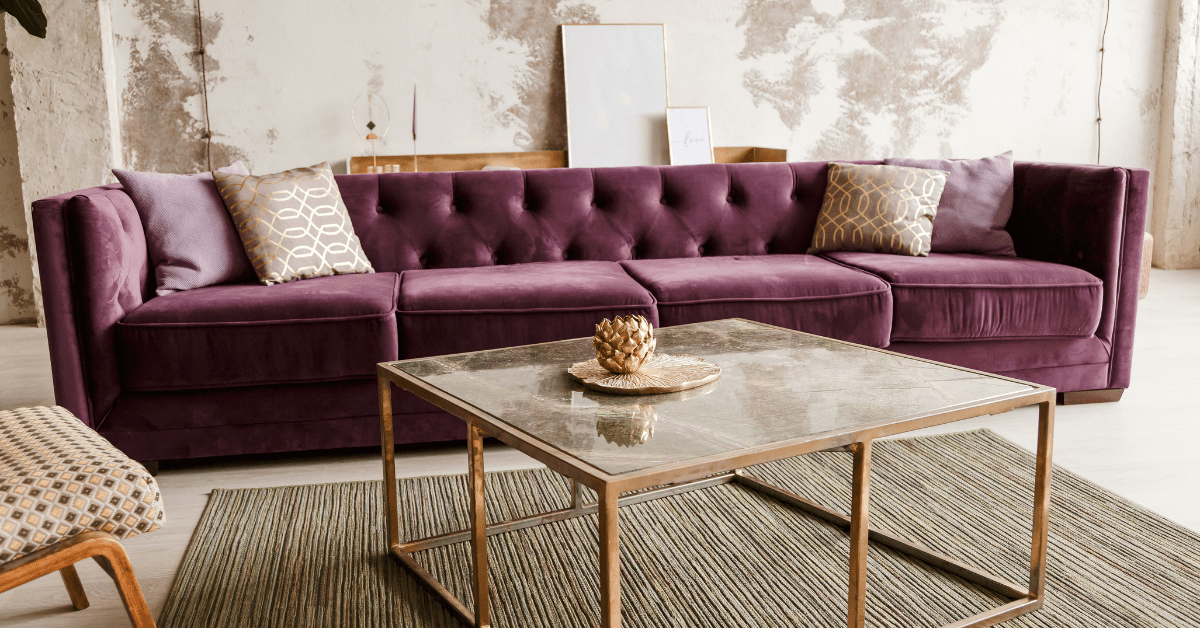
[(616, 92), (689, 136)]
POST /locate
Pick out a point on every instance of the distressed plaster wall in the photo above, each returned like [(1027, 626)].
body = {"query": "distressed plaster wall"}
[(1175, 223), (60, 91), (823, 78), (16, 271)]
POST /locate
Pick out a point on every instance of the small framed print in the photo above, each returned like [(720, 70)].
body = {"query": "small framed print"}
[(689, 136)]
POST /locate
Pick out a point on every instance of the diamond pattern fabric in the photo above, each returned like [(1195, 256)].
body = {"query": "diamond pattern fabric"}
[(58, 479), (293, 224), (878, 209)]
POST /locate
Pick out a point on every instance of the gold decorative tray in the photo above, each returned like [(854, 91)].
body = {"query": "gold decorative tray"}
[(660, 374)]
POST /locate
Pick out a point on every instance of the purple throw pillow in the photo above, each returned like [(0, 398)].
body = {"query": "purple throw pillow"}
[(189, 234), (975, 205)]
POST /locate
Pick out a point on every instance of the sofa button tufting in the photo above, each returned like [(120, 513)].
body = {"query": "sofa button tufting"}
[(663, 200), (566, 256), (729, 199), (701, 249)]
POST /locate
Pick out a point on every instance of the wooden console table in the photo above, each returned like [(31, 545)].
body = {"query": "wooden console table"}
[(536, 159)]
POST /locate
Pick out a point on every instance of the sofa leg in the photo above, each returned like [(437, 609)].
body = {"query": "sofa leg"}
[(1104, 395), (70, 578)]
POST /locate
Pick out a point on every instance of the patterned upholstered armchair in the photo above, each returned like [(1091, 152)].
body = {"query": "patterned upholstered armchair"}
[(67, 494)]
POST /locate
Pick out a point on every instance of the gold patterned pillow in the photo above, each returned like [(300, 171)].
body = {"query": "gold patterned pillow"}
[(293, 224), (879, 209)]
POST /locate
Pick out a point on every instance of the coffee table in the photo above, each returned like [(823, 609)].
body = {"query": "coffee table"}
[(782, 393)]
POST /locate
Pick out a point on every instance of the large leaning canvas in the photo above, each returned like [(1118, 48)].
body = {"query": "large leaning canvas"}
[(616, 86)]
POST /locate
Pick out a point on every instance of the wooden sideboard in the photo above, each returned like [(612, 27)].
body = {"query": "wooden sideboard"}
[(535, 159)]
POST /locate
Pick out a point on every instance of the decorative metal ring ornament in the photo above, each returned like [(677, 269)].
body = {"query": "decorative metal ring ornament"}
[(372, 98)]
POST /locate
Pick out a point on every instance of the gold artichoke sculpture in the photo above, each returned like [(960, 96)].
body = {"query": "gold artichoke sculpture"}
[(625, 344)]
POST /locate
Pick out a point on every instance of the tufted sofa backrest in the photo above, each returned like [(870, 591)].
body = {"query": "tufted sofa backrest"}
[(481, 218)]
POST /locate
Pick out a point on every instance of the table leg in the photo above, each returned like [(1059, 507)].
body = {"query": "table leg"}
[(1041, 501), (610, 560), (478, 525), (388, 444), (859, 531), (576, 495)]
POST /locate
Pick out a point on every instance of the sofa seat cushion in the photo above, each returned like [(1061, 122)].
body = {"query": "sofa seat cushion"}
[(961, 296), (454, 310), (321, 329), (802, 292)]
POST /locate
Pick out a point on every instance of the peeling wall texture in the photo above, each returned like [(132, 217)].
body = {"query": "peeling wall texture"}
[(907, 67), (161, 102), (825, 79), (1175, 222), (16, 272), (538, 117), (61, 108)]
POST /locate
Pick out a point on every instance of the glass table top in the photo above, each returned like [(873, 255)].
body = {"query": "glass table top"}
[(775, 385)]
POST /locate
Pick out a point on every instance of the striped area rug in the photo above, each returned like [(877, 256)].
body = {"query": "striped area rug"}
[(314, 556)]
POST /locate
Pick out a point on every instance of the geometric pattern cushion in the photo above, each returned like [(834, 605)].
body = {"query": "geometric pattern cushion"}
[(293, 224), (878, 209), (58, 479)]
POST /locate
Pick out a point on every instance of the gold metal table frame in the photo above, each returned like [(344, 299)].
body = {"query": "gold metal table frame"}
[(661, 481)]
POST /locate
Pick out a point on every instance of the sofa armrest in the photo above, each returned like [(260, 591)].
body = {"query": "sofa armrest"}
[(1092, 218), (94, 269)]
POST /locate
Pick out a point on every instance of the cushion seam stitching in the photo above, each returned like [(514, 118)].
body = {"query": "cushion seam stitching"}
[(590, 308), (774, 299), (285, 321)]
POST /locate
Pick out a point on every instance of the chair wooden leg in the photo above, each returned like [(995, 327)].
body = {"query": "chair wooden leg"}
[(61, 557), (74, 587), (115, 562)]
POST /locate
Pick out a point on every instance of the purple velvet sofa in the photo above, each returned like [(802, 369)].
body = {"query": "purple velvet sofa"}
[(478, 260)]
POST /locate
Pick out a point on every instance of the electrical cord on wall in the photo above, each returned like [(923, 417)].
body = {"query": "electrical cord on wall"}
[(207, 137), (1100, 83)]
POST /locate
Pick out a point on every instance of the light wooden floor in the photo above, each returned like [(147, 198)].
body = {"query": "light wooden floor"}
[(1146, 447)]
